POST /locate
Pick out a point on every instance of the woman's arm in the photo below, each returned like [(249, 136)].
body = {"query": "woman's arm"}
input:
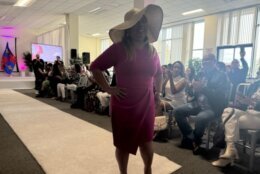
[(175, 88), (158, 84), (158, 89), (101, 80)]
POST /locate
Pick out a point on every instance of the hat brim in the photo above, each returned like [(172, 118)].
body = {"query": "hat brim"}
[(154, 16)]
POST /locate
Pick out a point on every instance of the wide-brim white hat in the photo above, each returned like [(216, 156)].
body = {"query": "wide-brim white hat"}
[(154, 16)]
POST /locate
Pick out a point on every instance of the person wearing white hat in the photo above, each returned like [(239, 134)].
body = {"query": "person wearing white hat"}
[(138, 72)]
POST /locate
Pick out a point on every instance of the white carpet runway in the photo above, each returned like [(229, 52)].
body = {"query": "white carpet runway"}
[(64, 144)]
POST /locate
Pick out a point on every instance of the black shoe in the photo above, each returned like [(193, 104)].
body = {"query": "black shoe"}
[(74, 106), (196, 149), (186, 143), (161, 139)]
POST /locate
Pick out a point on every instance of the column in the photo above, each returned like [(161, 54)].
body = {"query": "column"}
[(210, 35), (72, 35)]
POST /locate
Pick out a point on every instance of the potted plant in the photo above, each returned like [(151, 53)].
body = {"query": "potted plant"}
[(27, 57), (197, 65)]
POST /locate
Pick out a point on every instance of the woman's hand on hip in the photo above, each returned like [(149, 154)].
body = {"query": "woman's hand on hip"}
[(119, 93)]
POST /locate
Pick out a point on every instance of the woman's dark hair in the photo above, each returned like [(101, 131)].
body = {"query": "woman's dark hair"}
[(182, 72), (192, 73)]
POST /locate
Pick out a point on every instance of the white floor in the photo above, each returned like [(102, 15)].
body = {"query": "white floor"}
[(64, 144)]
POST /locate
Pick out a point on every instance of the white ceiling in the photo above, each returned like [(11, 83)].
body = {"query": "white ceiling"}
[(45, 15)]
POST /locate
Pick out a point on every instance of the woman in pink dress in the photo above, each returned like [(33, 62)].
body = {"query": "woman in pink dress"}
[(138, 72)]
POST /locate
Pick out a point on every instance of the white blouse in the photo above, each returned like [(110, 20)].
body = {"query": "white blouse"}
[(176, 99)]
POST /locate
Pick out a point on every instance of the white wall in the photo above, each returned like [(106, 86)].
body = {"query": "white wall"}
[(25, 38)]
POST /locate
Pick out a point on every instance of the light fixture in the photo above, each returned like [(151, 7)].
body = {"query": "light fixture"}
[(96, 34), (94, 10), (192, 12), (24, 3)]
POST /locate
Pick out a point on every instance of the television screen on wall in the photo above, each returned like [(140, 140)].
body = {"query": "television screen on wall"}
[(47, 52)]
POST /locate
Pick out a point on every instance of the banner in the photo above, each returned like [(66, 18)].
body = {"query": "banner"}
[(8, 60)]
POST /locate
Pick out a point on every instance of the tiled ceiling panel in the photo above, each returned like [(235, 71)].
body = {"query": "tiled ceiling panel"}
[(45, 15)]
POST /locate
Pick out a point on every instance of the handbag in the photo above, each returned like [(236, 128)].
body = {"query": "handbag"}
[(161, 121), (219, 136)]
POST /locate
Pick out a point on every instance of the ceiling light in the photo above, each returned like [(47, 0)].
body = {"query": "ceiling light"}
[(96, 34), (94, 10), (192, 12), (24, 3)]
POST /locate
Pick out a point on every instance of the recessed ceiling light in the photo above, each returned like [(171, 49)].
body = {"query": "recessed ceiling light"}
[(24, 3), (96, 34), (192, 12)]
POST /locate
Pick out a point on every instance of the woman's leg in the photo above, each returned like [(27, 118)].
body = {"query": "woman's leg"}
[(72, 88), (231, 132), (62, 89), (250, 121), (58, 90), (239, 120), (147, 154), (232, 126), (122, 160)]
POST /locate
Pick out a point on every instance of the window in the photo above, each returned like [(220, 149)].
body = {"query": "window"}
[(105, 43), (177, 36), (226, 54), (236, 27), (166, 45), (198, 40), (256, 64), (171, 44)]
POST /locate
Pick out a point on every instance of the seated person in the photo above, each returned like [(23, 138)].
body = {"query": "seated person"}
[(208, 103), (249, 119), (86, 83), (236, 74), (64, 79), (58, 75), (174, 86), (46, 88), (74, 80), (104, 97)]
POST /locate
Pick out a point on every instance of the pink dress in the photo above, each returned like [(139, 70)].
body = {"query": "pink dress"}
[(132, 117)]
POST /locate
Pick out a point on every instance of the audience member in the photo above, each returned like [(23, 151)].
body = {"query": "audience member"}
[(38, 68), (46, 88), (237, 75), (174, 86), (221, 66), (240, 119), (208, 104), (86, 83), (70, 83), (58, 76), (190, 74)]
